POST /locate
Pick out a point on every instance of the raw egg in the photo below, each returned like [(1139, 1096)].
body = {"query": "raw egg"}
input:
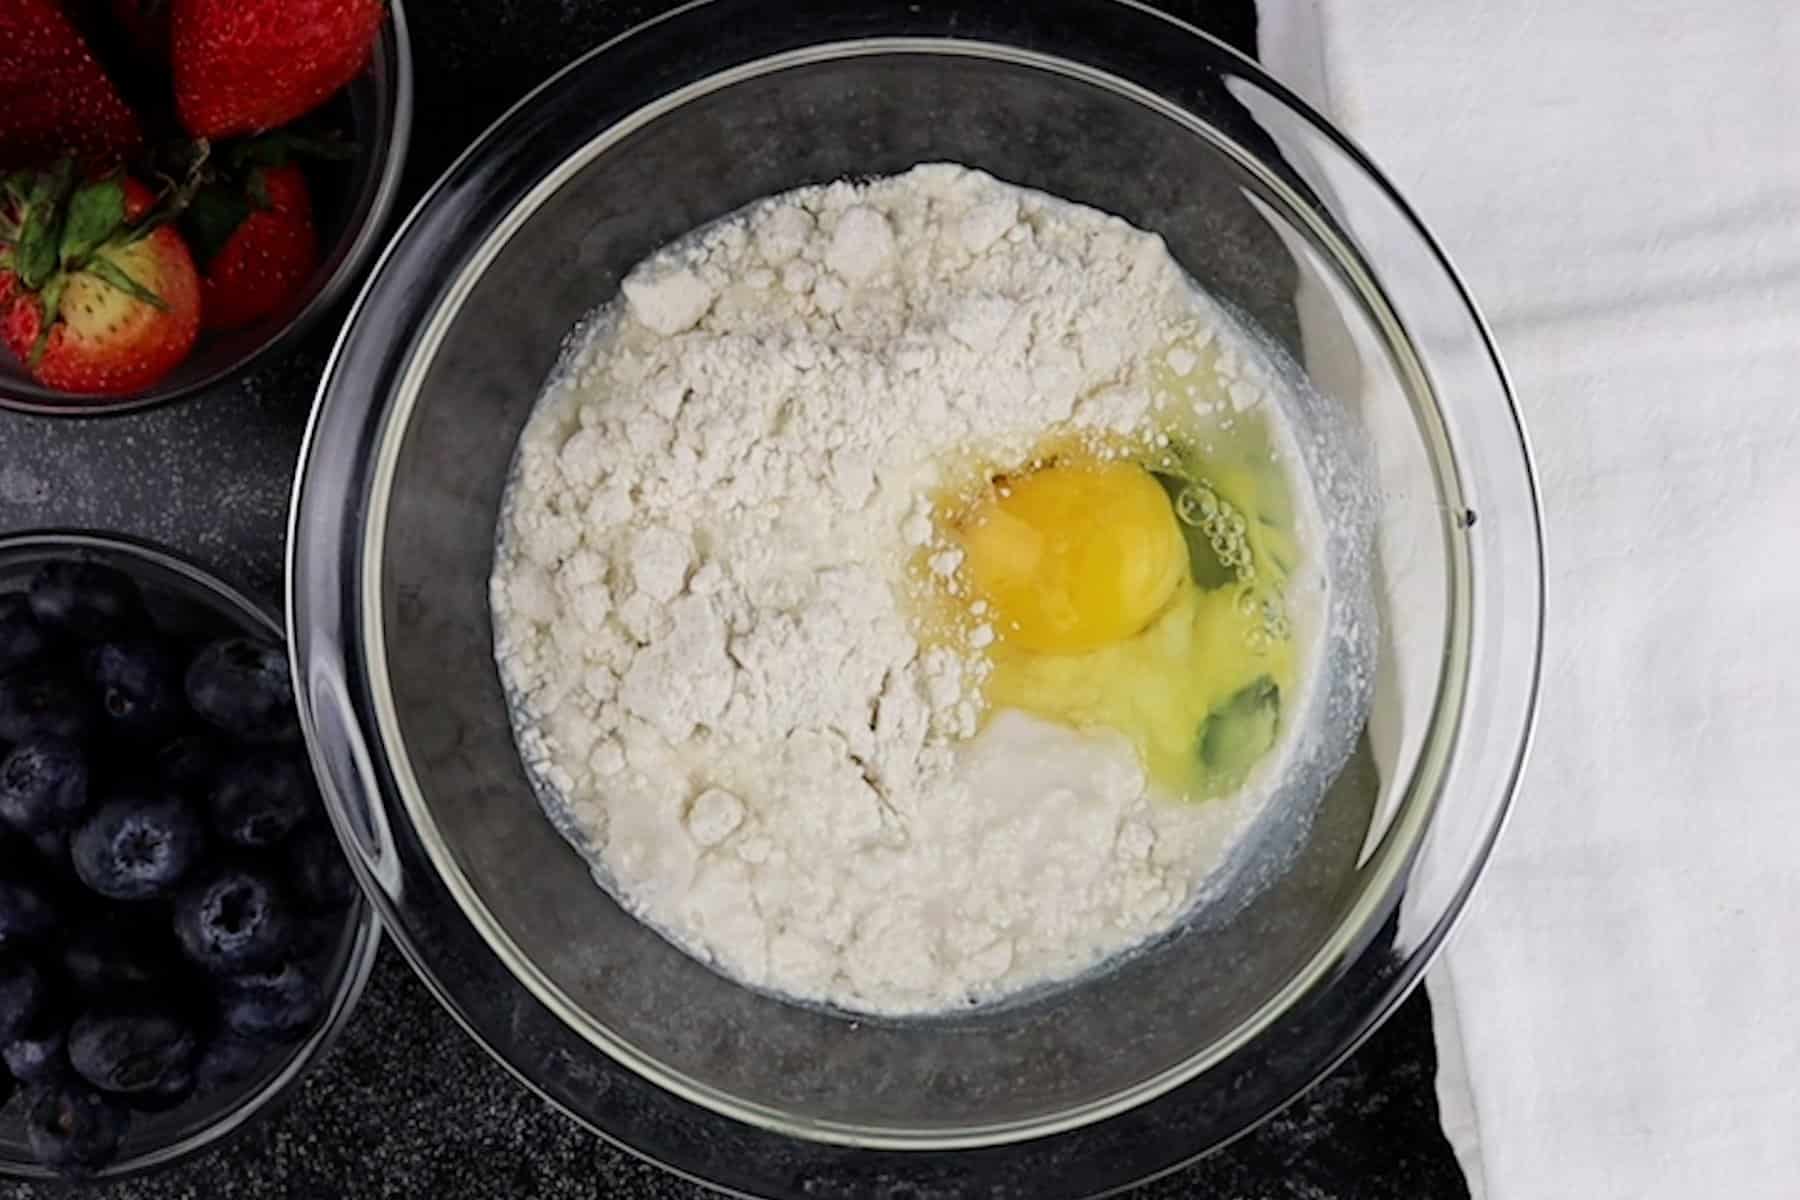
[(1198, 693), (1137, 588), (1074, 556)]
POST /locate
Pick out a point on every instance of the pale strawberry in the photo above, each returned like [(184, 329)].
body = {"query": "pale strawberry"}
[(96, 296)]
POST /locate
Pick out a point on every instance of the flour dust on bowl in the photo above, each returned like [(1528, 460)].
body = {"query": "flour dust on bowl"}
[(984, 593)]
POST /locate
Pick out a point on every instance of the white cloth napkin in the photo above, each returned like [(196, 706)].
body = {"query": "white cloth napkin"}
[(1620, 184)]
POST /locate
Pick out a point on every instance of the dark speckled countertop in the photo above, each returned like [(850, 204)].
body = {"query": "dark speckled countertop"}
[(405, 1105)]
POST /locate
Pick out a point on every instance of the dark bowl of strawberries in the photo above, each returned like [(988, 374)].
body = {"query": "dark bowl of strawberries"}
[(186, 186)]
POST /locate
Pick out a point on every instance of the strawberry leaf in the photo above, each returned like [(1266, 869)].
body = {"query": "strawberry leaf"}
[(147, 226), (15, 195), (37, 249), (283, 146), (51, 307), (174, 196), (41, 236), (106, 269), (212, 216), (95, 214)]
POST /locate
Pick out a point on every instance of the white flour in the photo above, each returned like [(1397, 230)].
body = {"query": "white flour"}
[(697, 606)]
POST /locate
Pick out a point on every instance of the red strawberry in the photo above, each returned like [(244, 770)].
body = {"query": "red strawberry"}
[(244, 66), (96, 296), (54, 98), (257, 243)]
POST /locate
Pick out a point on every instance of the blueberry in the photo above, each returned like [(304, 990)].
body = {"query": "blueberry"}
[(43, 785), (318, 872), (52, 850), (241, 685), (258, 799), (135, 848), (126, 1049), (235, 920), (174, 1091), (24, 996), (109, 960), (37, 702), (314, 935), (18, 856), (72, 1127), (40, 862), (37, 1057), (281, 1004), (26, 913), (86, 601), (139, 687), (187, 766), (39, 865), (22, 639), (230, 1058)]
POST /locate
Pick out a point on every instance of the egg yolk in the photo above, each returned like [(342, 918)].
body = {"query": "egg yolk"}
[(1073, 557)]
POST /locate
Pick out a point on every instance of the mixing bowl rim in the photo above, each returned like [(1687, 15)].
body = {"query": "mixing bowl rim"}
[(445, 303), (358, 961)]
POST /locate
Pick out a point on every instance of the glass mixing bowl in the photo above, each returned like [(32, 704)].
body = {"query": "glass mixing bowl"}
[(1340, 903)]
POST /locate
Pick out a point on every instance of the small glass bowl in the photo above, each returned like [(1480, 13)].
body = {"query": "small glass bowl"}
[(377, 108), (184, 598)]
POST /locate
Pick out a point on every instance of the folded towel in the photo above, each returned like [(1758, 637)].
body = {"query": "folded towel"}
[(1620, 185)]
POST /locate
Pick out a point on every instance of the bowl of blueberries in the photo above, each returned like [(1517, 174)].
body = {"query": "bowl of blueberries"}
[(180, 934)]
